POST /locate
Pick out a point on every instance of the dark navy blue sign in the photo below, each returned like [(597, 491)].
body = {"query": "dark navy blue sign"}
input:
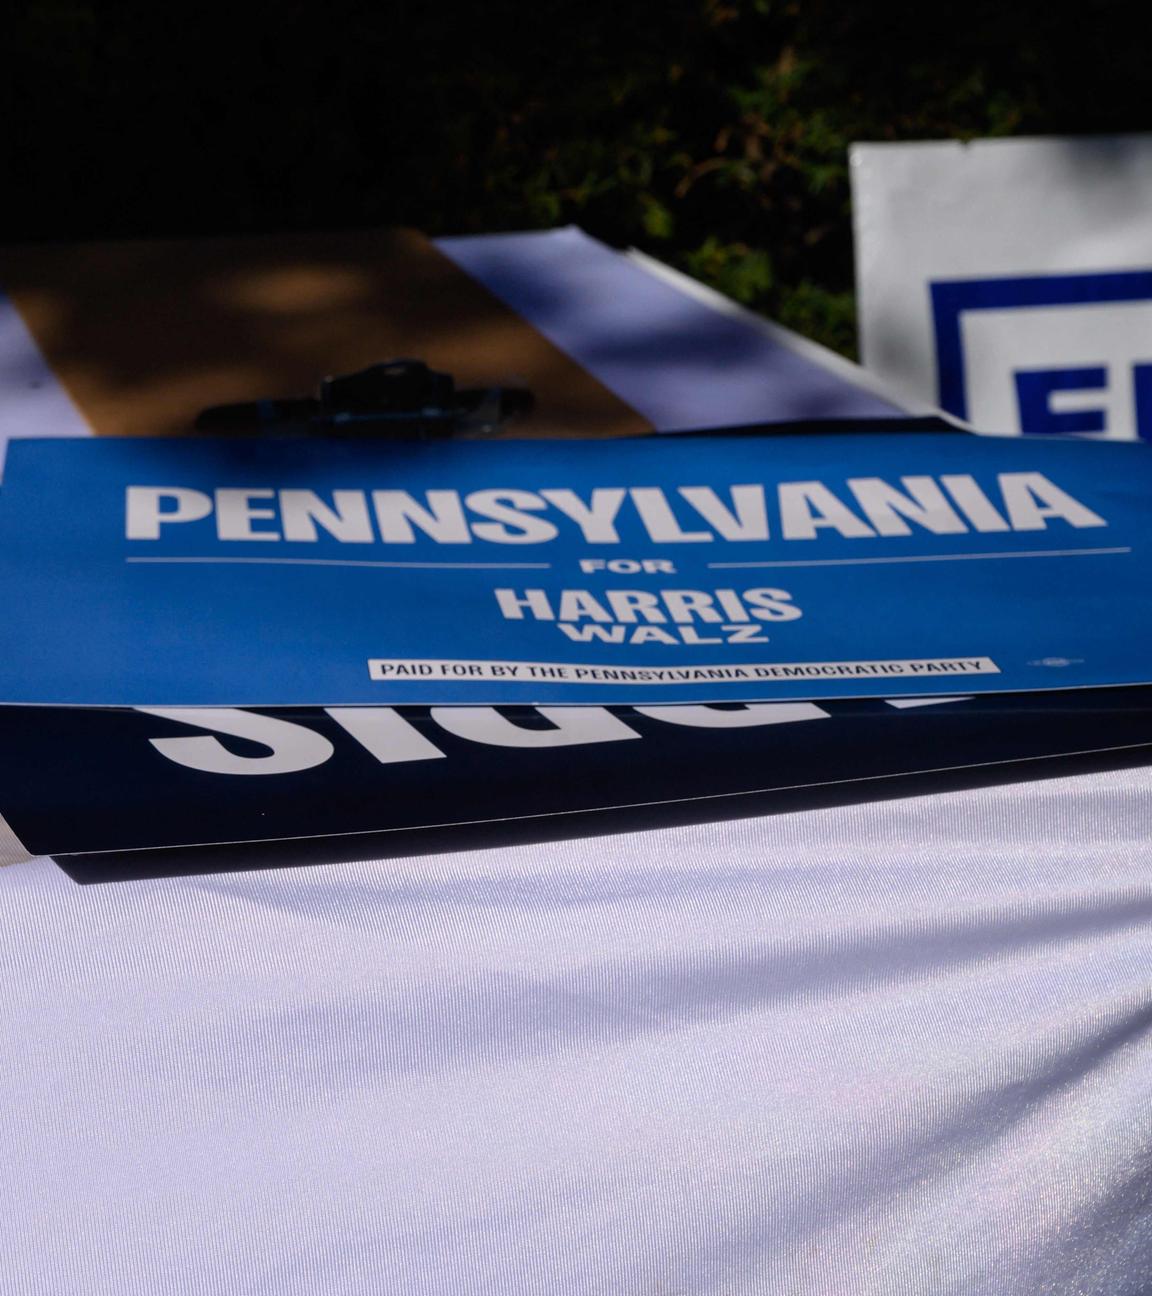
[(451, 777), (213, 573)]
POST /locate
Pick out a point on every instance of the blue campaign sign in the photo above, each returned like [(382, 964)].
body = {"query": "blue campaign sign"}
[(700, 569)]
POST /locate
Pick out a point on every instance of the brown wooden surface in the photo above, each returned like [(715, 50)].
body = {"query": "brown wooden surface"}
[(146, 334)]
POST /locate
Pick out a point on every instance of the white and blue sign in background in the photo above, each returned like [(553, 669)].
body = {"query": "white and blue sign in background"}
[(217, 573), (1010, 281)]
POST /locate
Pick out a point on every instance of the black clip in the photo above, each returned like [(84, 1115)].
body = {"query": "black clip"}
[(394, 400)]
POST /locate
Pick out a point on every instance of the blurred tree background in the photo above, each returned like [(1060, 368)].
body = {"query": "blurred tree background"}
[(712, 133)]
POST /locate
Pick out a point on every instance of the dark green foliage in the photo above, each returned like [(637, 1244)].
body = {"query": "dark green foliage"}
[(712, 134)]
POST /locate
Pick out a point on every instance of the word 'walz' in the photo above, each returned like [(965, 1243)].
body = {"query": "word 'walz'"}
[(862, 508)]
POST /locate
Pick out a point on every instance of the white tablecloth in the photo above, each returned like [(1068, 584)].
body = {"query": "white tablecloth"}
[(896, 1048)]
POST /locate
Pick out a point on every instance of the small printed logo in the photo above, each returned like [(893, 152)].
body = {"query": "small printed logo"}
[(1057, 661)]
